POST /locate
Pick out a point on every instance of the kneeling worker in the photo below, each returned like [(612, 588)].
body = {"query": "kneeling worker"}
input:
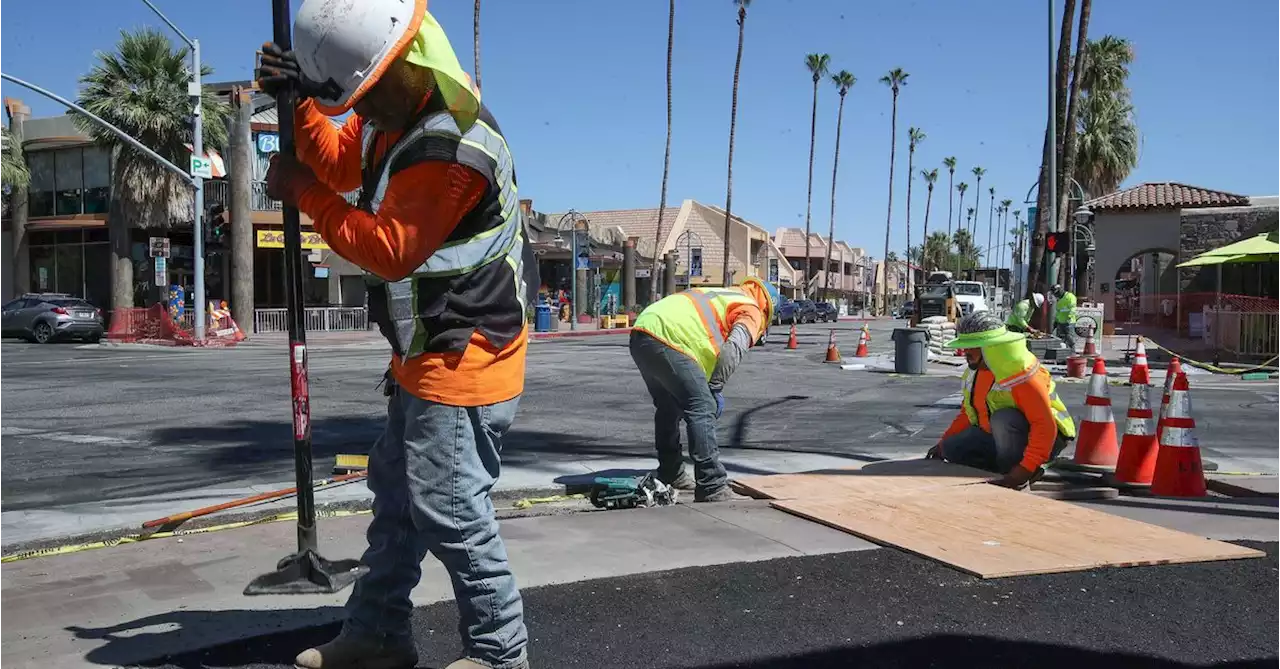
[(686, 346), (1020, 318), (1011, 421)]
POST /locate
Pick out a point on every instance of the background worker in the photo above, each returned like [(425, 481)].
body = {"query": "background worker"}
[(1020, 318), (433, 169), (686, 347), (1064, 315), (1011, 420)]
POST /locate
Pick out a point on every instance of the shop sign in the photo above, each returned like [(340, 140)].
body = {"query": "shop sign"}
[(274, 239)]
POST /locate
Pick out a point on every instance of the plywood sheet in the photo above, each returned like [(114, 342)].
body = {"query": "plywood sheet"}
[(871, 478), (989, 531)]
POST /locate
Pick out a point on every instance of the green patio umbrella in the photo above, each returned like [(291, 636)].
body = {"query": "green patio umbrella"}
[(1259, 248)]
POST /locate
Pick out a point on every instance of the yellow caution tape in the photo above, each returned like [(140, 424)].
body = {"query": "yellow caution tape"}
[(1205, 365), (530, 501)]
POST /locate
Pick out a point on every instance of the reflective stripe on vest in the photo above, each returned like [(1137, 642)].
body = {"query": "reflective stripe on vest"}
[(697, 332), (504, 242), (1000, 396)]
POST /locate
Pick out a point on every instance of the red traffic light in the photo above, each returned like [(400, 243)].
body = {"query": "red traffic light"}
[(1056, 242)]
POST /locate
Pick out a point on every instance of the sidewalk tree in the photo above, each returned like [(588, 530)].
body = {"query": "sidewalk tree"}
[(937, 251), (1108, 137), (666, 156), (15, 172), (733, 127), (141, 88), (930, 178), (843, 81), (817, 64), (914, 137), (950, 164), (895, 80)]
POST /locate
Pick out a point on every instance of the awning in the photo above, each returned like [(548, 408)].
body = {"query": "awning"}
[(1260, 248)]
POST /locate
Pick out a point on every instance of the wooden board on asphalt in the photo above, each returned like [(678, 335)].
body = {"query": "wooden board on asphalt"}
[(872, 478), (991, 532)]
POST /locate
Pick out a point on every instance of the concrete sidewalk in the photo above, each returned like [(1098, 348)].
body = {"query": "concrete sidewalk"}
[(132, 603)]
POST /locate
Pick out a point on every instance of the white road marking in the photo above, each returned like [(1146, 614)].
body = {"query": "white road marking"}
[(922, 419), (62, 436)]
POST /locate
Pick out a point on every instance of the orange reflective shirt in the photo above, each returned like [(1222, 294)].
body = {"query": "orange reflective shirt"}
[(1034, 403), (422, 206)]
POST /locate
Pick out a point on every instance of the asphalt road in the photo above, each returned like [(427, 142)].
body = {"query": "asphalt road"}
[(876, 609), (98, 425)]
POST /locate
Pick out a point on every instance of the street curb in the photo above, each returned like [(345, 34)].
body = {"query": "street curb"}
[(575, 333)]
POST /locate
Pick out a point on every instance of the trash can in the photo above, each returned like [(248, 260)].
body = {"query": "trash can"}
[(542, 317), (910, 350)]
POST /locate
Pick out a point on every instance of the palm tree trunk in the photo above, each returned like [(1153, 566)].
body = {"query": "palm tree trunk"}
[(808, 203), (977, 207), (960, 206), (831, 229), (888, 218), (666, 156), (733, 127), (911, 178), (924, 241), (475, 32), (951, 196), (118, 232), (1070, 135), (991, 213), (1037, 280)]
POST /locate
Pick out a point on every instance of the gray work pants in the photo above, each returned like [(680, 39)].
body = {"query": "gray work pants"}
[(1067, 333), (996, 451)]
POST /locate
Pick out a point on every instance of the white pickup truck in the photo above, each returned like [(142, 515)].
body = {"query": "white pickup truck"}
[(971, 296)]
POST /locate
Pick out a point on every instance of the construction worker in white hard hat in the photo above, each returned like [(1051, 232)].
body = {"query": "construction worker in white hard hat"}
[(686, 347), (439, 233), (1019, 319), (1011, 421)]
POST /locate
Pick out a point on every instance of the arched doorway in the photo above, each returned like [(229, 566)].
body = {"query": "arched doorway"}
[(1143, 290)]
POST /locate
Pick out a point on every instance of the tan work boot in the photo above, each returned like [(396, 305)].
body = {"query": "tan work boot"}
[(724, 494), (683, 481), (468, 663), (351, 652)]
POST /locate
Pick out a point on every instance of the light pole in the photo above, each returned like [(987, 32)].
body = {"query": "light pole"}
[(197, 149), (572, 217), (1082, 217)]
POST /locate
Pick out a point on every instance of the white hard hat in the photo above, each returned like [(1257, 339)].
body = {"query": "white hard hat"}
[(352, 43), (1038, 298)]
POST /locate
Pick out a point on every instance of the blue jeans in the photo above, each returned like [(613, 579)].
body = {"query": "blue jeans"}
[(430, 474), (679, 390), (999, 450)]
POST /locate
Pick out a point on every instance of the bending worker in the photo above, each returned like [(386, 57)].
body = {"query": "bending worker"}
[(687, 346), (1064, 315), (1011, 421), (449, 271), (1020, 318)]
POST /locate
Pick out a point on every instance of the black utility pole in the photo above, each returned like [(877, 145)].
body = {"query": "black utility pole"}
[(303, 572)]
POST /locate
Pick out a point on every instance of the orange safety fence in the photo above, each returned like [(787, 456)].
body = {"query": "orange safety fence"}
[(154, 325)]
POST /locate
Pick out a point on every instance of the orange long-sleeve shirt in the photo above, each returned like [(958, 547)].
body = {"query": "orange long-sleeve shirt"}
[(420, 209), (1033, 401)]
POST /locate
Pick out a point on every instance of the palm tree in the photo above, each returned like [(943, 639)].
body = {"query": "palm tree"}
[(1036, 260), (969, 221), (15, 172), (914, 137), (817, 64), (733, 128), (1108, 138), (895, 80), (1015, 250), (1070, 138), (1004, 225), (937, 251), (930, 177), (991, 212), (977, 194), (950, 164), (654, 285), (843, 81), (960, 188), (475, 32), (141, 89)]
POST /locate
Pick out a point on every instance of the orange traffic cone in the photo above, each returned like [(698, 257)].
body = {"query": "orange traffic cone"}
[(1096, 439), (862, 346), (1175, 368), (833, 353), (1179, 471), (1090, 349), (792, 344), (1137, 461)]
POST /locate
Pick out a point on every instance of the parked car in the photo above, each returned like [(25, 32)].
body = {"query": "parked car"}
[(806, 311), (908, 309), (785, 313), (45, 317), (827, 312)]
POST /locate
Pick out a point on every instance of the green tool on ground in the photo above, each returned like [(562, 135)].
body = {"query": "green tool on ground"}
[(629, 492)]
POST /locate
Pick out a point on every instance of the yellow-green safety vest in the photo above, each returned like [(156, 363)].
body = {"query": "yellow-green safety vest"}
[(693, 322), (1001, 397), (1065, 309), (1021, 315)]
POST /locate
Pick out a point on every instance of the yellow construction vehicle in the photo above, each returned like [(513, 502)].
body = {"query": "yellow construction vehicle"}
[(937, 297)]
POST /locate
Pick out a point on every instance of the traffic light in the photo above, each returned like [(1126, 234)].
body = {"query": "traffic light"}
[(1057, 242), (216, 226)]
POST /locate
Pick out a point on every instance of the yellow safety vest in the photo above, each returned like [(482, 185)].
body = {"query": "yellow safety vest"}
[(1001, 397), (693, 322)]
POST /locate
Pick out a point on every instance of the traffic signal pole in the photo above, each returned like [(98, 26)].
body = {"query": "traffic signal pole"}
[(302, 572)]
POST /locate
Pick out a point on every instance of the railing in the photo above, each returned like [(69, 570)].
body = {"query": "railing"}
[(316, 319), (1242, 333), (218, 191)]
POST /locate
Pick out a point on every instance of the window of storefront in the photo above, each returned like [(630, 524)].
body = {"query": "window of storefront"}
[(76, 262), (69, 182)]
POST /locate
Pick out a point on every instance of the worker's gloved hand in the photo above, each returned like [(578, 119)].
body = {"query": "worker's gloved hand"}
[(719, 397), (279, 69), (1016, 478), (287, 178), (934, 453)]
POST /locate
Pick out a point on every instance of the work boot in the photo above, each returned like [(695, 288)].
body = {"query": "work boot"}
[(469, 663), (682, 481), (723, 494), (351, 652)]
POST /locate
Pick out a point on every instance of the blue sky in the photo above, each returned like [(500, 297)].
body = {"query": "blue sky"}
[(579, 90)]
